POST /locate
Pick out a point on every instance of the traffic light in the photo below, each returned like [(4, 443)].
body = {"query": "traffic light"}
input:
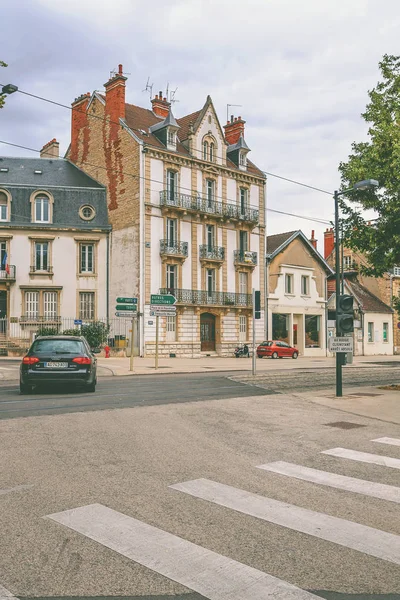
[(344, 314), (257, 305)]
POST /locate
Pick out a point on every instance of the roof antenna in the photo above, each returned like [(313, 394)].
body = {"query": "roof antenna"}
[(149, 87), (119, 71), (172, 98), (228, 106)]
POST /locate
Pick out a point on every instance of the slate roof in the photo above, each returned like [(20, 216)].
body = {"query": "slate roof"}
[(55, 172), (366, 299), (275, 241), (139, 120), (70, 187)]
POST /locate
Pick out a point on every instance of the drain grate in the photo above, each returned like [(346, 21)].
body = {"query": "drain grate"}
[(344, 425)]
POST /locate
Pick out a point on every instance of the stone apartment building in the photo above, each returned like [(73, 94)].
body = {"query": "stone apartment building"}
[(187, 208), (384, 288), (54, 233)]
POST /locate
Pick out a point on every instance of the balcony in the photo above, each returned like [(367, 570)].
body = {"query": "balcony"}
[(196, 203), (34, 318), (205, 298), (211, 254), (170, 249), (8, 274), (245, 258)]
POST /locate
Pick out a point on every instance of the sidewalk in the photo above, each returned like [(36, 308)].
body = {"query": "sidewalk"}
[(370, 402), (207, 364)]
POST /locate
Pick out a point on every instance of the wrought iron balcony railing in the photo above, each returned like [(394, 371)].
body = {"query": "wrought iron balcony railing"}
[(33, 318), (245, 257), (202, 204), (174, 248), (207, 298), (211, 252), (8, 274)]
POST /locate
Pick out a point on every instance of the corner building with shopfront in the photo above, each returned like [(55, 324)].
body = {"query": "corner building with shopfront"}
[(187, 208)]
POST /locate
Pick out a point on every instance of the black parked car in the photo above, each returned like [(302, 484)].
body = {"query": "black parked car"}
[(58, 359)]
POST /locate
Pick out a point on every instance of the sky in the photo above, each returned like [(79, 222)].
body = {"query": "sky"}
[(300, 72)]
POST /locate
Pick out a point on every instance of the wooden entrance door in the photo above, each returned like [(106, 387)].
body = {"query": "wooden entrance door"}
[(207, 332)]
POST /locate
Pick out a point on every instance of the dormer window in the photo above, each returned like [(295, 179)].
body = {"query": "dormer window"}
[(171, 137), (242, 159), (42, 207), (4, 206)]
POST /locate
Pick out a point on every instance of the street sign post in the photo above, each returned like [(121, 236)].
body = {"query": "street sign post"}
[(123, 300), (125, 314), (162, 299), (128, 307), (340, 344)]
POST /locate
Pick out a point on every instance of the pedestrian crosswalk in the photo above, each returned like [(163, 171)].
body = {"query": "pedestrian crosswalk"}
[(388, 440), (219, 577)]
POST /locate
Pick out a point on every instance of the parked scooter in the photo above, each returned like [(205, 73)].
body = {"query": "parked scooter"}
[(242, 351)]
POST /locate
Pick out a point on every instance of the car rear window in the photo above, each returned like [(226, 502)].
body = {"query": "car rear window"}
[(58, 346), (267, 344)]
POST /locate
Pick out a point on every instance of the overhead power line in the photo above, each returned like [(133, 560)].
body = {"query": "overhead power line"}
[(134, 175)]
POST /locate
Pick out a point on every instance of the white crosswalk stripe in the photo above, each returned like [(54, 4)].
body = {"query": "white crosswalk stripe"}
[(388, 440), (212, 575), (16, 489), (346, 533), (5, 594), (376, 459), (341, 482)]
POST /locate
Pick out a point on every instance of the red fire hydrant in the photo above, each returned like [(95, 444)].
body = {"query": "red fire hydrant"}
[(107, 351)]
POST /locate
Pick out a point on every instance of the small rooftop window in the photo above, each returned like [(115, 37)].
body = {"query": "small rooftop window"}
[(38, 172), (4, 170)]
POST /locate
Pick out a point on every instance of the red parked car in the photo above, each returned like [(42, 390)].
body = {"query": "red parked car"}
[(276, 349)]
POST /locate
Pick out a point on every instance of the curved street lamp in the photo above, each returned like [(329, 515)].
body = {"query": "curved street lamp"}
[(366, 184)]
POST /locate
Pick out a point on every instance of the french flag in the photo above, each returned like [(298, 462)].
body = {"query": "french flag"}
[(5, 265)]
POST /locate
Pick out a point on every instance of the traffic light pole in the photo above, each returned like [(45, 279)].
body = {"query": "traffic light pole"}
[(339, 381)]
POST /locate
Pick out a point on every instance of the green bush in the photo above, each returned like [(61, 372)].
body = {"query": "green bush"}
[(71, 332), (96, 333), (48, 331)]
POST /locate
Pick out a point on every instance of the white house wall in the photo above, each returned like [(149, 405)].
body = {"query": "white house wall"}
[(378, 346), (156, 184)]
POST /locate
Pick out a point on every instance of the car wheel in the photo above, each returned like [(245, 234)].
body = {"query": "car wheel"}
[(274, 355), (24, 388), (259, 355), (295, 354)]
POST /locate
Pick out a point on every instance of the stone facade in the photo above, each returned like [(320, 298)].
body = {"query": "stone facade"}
[(188, 215)]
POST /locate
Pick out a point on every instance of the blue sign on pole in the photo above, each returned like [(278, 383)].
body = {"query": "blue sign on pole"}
[(77, 321)]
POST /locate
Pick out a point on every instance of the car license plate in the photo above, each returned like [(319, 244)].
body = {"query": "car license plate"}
[(56, 365)]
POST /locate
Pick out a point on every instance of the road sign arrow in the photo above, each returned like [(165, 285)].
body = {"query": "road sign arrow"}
[(162, 299), (123, 300)]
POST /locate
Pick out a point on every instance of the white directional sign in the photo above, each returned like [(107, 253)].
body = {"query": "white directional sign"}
[(162, 311), (170, 309), (340, 344)]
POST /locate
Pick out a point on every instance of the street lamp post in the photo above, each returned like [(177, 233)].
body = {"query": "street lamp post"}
[(361, 185)]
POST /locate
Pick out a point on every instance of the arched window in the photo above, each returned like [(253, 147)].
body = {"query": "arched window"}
[(4, 206), (42, 207), (212, 152), (205, 150)]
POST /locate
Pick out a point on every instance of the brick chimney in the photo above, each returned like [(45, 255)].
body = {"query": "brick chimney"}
[(160, 106), (115, 96), (329, 242), (78, 123), (312, 240), (51, 149), (234, 129)]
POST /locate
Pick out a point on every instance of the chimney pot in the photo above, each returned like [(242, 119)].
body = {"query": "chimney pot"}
[(231, 118), (164, 99), (120, 69), (160, 94)]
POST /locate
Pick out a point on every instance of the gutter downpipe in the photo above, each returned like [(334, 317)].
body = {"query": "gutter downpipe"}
[(108, 278), (142, 272), (266, 268)]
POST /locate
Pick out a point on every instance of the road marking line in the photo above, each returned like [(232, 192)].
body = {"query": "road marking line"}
[(6, 595), (376, 459), (210, 574), (16, 489), (387, 440), (332, 529), (342, 482)]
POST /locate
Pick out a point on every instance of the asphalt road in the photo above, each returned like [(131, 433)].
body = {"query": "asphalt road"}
[(147, 390)]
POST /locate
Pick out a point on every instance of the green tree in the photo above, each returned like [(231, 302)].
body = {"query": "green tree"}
[(378, 158), (2, 96)]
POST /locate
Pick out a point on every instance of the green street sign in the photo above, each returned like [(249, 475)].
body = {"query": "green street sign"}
[(162, 299), (131, 307), (126, 300)]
